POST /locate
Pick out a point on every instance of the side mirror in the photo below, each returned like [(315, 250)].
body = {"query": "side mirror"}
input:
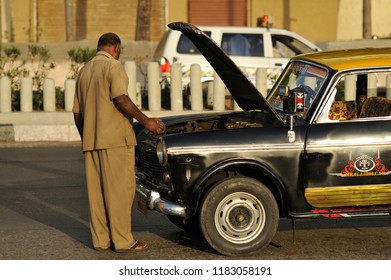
[(283, 92), (293, 102), (293, 99)]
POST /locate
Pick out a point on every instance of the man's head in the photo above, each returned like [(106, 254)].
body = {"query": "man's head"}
[(110, 43)]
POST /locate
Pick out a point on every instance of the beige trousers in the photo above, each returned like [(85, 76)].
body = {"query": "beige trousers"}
[(111, 189)]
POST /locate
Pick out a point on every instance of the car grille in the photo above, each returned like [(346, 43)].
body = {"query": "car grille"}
[(150, 165)]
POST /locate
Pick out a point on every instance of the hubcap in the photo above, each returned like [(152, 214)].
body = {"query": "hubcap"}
[(240, 217)]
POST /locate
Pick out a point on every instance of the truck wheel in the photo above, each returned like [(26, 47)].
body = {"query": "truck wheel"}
[(238, 216)]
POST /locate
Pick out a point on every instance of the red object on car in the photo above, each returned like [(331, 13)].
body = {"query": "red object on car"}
[(165, 66)]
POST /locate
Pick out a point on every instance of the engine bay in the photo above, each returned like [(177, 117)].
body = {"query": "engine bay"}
[(232, 121)]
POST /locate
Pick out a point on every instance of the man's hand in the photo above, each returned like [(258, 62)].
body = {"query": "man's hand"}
[(79, 121), (155, 125), (130, 110)]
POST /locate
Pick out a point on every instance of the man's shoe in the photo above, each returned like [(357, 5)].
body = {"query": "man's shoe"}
[(137, 246)]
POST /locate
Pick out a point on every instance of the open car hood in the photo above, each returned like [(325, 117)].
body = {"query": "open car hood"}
[(242, 90)]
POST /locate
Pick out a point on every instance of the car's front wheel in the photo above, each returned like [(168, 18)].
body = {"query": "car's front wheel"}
[(239, 216)]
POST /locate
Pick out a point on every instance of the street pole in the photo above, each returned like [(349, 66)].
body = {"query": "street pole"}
[(69, 20), (367, 20)]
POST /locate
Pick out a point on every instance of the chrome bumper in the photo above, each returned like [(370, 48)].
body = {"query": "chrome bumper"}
[(155, 202)]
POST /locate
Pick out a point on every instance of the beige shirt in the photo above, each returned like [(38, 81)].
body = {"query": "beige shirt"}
[(99, 82)]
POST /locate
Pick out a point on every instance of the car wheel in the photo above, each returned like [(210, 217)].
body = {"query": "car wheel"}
[(239, 216)]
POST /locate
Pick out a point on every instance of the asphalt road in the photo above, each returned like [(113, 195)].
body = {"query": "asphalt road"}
[(44, 216)]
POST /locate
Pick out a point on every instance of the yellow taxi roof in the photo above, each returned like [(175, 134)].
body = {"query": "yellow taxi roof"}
[(348, 59)]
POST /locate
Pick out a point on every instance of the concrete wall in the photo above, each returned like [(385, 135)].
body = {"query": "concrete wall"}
[(176, 11), (315, 20), (320, 20), (350, 20), (107, 16), (91, 18)]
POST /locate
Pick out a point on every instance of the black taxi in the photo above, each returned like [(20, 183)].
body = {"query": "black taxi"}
[(319, 146)]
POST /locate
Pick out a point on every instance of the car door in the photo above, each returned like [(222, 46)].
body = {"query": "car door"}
[(347, 161)]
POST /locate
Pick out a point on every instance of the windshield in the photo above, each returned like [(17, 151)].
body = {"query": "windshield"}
[(303, 80)]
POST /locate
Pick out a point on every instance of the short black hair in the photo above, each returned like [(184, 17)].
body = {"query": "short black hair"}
[(108, 39)]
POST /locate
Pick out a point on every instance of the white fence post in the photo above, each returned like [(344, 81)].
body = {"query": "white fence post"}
[(196, 87), (218, 94), (372, 85), (69, 94), (388, 86), (26, 95), (131, 70), (139, 102), (261, 81), (209, 97), (176, 96), (216, 90), (49, 95), (350, 87), (154, 90), (5, 95), (236, 105)]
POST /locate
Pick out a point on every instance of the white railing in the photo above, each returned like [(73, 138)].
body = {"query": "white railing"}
[(153, 88), (216, 90), (58, 125)]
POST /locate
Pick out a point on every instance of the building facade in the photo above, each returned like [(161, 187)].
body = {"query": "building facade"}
[(69, 20)]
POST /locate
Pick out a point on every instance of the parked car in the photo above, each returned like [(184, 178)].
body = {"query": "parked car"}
[(249, 47), (318, 146)]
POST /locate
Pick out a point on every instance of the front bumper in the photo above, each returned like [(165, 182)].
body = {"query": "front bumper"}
[(155, 202)]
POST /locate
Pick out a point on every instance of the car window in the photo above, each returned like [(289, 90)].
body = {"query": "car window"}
[(239, 44), (298, 77), (185, 46), (359, 96), (287, 46)]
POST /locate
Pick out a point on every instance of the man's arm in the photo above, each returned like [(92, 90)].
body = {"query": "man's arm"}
[(130, 110), (79, 121)]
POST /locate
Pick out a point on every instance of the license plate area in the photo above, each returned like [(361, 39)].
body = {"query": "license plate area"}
[(142, 205)]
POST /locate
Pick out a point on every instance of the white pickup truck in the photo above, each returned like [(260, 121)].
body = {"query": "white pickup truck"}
[(248, 47)]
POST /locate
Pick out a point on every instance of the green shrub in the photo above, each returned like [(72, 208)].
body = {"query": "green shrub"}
[(60, 98), (79, 57), (39, 58), (15, 100), (38, 100), (11, 67)]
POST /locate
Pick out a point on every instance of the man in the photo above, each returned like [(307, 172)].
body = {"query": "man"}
[(104, 115)]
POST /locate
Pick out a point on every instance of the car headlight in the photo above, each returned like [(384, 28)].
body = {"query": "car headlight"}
[(161, 152)]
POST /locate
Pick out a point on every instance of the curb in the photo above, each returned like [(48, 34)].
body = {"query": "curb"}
[(38, 126), (26, 133)]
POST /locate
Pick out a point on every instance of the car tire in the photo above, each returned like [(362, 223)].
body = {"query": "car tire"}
[(239, 216)]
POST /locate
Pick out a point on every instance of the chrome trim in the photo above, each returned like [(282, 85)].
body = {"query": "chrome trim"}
[(342, 215), (346, 143), (233, 148), (155, 202)]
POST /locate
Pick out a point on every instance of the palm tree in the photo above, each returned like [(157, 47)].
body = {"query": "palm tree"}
[(143, 20), (69, 19), (367, 20)]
